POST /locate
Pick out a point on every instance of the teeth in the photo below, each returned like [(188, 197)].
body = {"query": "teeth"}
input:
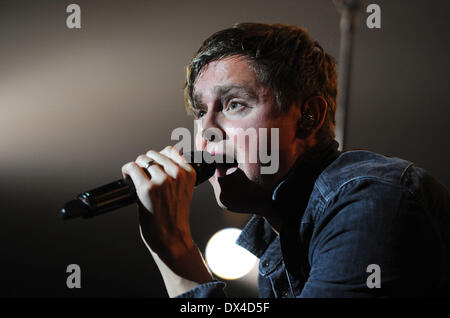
[(231, 170)]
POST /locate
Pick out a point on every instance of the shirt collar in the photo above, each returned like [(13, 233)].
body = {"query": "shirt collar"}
[(293, 192), (290, 196)]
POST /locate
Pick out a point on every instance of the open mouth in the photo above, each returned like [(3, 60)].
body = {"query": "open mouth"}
[(225, 164), (224, 169)]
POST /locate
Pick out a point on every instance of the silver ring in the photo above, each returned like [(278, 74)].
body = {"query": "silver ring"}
[(149, 163)]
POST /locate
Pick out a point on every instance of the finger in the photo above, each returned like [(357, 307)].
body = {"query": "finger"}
[(158, 175), (145, 161), (177, 157), (171, 167), (135, 172), (143, 184)]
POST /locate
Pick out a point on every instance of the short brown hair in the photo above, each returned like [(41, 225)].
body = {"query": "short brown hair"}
[(284, 58)]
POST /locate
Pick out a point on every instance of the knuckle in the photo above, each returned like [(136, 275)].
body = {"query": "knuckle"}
[(125, 166), (189, 169), (159, 176), (175, 150), (128, 166), (141, 158), (150, 152), (154, 169), (166, 151)]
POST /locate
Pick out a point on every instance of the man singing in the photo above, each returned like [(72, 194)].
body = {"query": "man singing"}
[(324, 219)]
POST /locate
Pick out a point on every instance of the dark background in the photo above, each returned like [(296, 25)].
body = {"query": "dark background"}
[(78, 104)]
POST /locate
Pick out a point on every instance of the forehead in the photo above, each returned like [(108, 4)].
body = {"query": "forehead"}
[(233, 71)]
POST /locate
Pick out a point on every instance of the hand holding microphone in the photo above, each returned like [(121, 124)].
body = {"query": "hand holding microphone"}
[(122, 192), (164, 183)]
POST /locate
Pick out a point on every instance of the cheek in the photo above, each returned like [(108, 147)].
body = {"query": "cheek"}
[(253, 144), (243, 138), (198, 142)]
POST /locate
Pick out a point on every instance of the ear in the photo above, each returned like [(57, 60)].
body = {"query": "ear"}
[(313, 112)]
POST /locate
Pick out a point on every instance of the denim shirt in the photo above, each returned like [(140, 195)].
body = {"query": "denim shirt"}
[(355, 224)]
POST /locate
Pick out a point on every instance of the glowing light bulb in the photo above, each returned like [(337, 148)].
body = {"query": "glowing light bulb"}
[(227, 259)]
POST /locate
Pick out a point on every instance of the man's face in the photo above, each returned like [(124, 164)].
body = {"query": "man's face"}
[(229, 99)]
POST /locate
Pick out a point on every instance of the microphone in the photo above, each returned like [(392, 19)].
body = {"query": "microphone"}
[(122, 192)]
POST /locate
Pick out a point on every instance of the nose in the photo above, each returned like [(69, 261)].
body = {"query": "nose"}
[(212, 134), (210, 130)]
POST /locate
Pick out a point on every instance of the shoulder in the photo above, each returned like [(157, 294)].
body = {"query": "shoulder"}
[(371, 175), (368, 196), (373, 211), (362, 186), (359, 189), (362, 166)]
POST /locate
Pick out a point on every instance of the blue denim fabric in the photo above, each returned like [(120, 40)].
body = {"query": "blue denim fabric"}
[(213, 289), (362, 208)]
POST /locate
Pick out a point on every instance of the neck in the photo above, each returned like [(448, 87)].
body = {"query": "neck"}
[(275, 222), (290, 197)]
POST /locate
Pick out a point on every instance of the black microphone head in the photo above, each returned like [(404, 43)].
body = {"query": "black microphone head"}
[(203, 163), (74, 209), (121, 192)]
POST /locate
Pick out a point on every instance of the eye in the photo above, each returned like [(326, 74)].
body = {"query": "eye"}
[(234, 106), (199, 113)]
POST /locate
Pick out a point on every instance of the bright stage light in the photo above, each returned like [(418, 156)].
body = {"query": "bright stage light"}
[(227, 259)]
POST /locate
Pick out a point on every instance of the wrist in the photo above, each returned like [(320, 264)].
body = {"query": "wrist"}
[(183, 274), (189, 263)]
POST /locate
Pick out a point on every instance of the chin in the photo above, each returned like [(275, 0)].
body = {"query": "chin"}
[(237, 192), (217, 192)]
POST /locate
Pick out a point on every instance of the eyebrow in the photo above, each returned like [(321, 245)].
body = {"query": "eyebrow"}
[(224, 90)]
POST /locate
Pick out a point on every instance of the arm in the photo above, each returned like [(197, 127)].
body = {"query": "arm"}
[(187, 279), (165, 193)]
